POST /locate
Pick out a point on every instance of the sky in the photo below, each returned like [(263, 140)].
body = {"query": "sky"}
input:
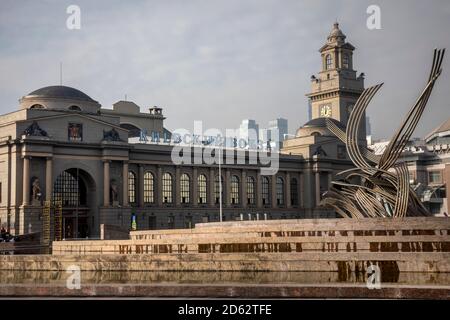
[(222, 61)]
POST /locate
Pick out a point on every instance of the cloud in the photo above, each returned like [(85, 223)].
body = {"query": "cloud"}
[(222, 61)]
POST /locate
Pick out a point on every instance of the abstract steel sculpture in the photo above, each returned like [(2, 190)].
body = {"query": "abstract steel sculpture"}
[(379, 186)]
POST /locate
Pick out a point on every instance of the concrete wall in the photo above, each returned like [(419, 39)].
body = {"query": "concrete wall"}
[(341, 245)]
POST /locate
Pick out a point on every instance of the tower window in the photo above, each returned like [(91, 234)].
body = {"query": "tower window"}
[(328, 62), (346, 61)]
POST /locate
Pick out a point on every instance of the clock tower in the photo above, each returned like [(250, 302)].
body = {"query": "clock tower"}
[(336, 88)]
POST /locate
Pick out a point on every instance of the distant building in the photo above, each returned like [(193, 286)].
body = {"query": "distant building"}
[(429, 167), (264, 137), (278, 129), (249, 132)]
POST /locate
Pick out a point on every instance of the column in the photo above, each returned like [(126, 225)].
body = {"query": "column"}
[(317, 184), (211, 181), (106, 181), (177, 186), (227, 187), (141, 186), (288, 189), (274, 191), (159, 197), (301, 196), (244, 189), (330, 179), (194, 200), (258, 189), (125, 184), (26, 181), (48, 178)]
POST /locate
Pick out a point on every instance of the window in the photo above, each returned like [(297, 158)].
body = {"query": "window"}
[(37, 106), (434, 177), (167, 188), (280, 191), (328, 62), (149, 188), (74, 108), (131, 187), (345, 61), (184, 188), (294, 192), (217, 189), (234, 190), (201, 185), (265, 191), (69, 189), (250, 190)]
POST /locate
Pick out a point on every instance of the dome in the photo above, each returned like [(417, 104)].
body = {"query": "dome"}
[(60, 92), (318, 126), (321, 122), (336, 33)]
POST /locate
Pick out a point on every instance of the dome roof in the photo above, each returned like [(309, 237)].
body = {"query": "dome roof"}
[(336, 33), (318, 126), (61, 92), (321, 123)]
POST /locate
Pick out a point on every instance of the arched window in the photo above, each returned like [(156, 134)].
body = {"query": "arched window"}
[(217, 188), (167, 188), (74, 108), (69, 189), (328, 62), (265, 192), (185, 185), (37, 106), (250, 190), (131, 187), (201, 185), (234, 190), (280, 191), (345, 61), (294, 192), (149, 188)]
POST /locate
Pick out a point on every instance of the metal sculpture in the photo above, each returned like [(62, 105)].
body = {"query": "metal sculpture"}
[(379, 186)]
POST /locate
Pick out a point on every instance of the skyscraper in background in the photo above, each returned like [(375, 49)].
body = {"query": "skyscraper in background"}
[(249, 131), (278, 129)]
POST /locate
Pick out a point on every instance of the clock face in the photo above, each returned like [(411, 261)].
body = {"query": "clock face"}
[(325, 111)]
